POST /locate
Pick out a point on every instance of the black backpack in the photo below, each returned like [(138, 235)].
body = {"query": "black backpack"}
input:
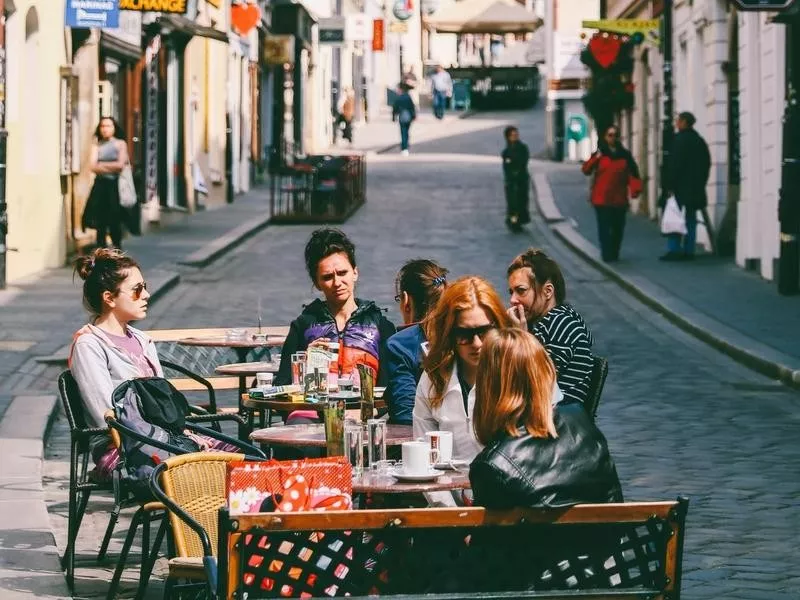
[(152, 407)]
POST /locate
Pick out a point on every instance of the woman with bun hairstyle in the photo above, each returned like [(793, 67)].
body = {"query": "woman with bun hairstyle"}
[(108, 350), (419, 286)]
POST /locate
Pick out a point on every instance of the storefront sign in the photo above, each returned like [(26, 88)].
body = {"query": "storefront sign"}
[(358, 28), (331, 30), (378, 36), (151, 132), (86, 14), (402, 10), (398, 27), (176, 7), (279, 49), (649, 28), (244, 17)]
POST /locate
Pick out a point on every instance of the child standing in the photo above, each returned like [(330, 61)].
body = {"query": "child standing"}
[(517, 181)]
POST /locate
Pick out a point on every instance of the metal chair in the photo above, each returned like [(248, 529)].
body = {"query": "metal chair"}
[(596, 384), (80, 485)]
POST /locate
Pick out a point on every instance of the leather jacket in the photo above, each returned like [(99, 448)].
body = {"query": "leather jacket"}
[(524, 471)]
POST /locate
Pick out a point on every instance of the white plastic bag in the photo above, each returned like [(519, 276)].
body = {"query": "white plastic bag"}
[(127, 191), (673, 221)]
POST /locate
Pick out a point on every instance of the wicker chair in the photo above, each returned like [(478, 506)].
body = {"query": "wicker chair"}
[(596, 384), (192, 487)]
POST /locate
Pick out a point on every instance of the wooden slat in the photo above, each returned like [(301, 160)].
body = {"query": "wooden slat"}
[(184, 384), (174, 335), (631, 512)]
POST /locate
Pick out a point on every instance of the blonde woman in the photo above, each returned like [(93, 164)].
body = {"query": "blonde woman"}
[(536, 454)]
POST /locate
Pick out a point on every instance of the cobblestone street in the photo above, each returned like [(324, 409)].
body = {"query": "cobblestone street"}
[(680, 417)]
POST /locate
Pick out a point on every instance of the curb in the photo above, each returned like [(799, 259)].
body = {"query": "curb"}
[(466, 114), (744, 350), (212, 251)]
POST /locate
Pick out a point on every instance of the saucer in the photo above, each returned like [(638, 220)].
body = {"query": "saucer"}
[(453, 465), (423, 476)]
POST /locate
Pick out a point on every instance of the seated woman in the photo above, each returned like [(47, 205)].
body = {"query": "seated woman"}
[(108, 351), (468, 309), (358, 325), (419, 285), (536, 454)]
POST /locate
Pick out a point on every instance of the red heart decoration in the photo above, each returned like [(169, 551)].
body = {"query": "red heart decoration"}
[(245, 16), (605, 49)]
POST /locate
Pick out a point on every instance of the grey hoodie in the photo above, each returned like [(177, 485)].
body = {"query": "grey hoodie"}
[(99, 366)]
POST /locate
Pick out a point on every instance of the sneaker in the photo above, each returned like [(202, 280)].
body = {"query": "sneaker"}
[(404, 152)]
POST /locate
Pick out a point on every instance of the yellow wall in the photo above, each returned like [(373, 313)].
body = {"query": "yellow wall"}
[(36, 206)]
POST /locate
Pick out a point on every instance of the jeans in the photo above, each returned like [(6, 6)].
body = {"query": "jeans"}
[(610, 229), (439, 103), (674, 241), (404, 128)]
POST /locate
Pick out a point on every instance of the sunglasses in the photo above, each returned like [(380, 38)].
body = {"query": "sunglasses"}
[(136, 291), (465, 335), (397, 298)]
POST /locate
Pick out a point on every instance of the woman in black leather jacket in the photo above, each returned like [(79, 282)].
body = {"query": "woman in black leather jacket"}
[(536, 454)]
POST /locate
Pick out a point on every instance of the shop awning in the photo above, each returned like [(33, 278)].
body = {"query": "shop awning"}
[(176, 24), (483, 16)]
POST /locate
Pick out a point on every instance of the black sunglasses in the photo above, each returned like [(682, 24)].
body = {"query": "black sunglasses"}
[(465, 335), (397, 298)]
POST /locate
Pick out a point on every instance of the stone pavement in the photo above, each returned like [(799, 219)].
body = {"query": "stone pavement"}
[(734, 310), (680, 417)]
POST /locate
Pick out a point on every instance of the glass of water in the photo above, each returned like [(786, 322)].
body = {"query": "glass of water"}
[(354, 446), (376, 442)]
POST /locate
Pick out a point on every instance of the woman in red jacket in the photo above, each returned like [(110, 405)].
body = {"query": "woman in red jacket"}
[(614, 172)]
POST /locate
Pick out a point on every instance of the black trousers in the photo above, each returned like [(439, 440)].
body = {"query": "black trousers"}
[(518, 198), (108, 211), (610, 229)]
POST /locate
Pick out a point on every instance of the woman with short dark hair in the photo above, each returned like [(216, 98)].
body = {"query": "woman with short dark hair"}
[(537, 453)]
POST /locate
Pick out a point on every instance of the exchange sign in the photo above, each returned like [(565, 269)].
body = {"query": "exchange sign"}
[(168, 6)]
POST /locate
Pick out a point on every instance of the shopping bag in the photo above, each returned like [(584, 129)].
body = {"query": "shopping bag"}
[(127, 191), (673, 221)]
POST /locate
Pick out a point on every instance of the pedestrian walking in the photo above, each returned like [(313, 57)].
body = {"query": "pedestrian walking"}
[(404, 112), (615, 175), (442, 88), (345, 112), (517, 180), (687, 175), (109, 155)]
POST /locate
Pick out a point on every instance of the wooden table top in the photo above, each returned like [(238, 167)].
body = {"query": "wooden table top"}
[(282, 404), (386, 484), (221, 341), (314, 435), (247, 368)]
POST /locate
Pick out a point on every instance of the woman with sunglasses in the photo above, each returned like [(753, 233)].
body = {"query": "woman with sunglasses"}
[(615, 175), (108, 351), (419, 286), (468, 309)]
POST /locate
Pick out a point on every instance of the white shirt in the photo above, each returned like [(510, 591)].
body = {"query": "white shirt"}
[(442, 82)]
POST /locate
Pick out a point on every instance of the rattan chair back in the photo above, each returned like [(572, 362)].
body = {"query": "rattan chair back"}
[(196, 483)]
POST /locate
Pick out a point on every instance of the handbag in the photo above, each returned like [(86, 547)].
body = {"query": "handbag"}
[(127, 191), (673, 220)]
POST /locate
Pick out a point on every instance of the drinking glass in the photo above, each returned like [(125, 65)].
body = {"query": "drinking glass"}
[(299, 368), (376, 442), (354, 446), (236, 334), (333, 412)]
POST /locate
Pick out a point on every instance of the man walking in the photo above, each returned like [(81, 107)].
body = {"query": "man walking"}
[(404, 112), (515, 158), (538, 304), (442, 86), (687, 175), (346, 111)]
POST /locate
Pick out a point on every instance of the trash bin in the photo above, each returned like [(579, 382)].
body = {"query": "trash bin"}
[(461, 94)]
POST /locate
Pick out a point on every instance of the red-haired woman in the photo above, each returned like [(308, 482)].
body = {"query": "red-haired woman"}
[(537, 453)]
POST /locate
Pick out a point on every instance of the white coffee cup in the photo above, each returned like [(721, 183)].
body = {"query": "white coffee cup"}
[(416, 458), (443, 442), (264, 379)]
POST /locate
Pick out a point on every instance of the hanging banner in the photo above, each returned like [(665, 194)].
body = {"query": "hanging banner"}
[(176, 7), (87, 14), (378, 37), (650, 29), (278, 49), (151, 130)]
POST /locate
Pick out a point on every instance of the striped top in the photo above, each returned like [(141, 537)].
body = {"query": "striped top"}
[(564, 334)]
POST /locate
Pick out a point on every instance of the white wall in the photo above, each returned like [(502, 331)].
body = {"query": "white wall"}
[(761, 82)]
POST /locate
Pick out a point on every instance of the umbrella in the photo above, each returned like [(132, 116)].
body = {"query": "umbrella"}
[(483, 16)]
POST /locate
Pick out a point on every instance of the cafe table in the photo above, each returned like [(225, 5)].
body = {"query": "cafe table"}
[(275, 338), (282, 405), (243, 370), (371, 482), (313, 435)]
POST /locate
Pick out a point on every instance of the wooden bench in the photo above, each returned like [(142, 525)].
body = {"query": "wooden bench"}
[(631, 550)]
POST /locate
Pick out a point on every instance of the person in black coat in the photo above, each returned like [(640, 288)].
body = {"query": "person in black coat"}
[(536, 454), (517, 181), (687, 176), (404, 112)]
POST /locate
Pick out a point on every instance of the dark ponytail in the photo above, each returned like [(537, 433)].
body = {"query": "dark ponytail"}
[(102, 270), (424, 281)]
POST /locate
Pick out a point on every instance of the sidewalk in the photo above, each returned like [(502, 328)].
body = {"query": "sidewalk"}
[(760, 329), (37, 320)]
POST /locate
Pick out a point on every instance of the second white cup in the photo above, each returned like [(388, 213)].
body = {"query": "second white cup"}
[(443, 442)]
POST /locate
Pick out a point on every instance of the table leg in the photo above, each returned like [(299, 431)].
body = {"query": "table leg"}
[(243, 429), (241, 354)]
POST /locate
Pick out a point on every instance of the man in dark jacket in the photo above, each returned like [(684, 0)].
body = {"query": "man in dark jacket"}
[(687, 176), (517, 181), (404, 112)]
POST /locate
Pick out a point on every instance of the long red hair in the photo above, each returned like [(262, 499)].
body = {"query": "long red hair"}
[(513, 387), (463, 294)]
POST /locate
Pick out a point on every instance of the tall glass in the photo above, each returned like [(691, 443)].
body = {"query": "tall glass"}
[(367, 377), (376, 442), (354, 446), (334, 426), (299, 368)]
